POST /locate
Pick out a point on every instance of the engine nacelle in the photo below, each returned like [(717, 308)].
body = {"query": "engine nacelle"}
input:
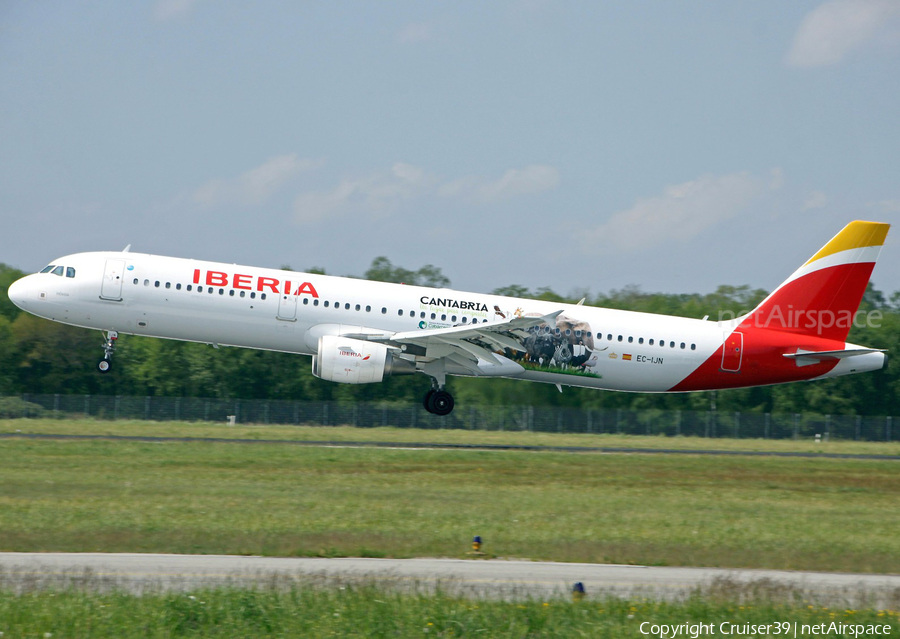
[(356, 361)]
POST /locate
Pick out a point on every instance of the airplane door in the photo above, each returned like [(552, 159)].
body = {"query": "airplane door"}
[(733, 352), (111, 287), (287, 308)]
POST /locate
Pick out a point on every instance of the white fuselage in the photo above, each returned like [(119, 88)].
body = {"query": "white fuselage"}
[(233, 305)]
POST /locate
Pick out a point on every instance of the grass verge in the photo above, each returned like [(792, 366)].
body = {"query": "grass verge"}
[(368, 611), (450, 436), (268, 499)]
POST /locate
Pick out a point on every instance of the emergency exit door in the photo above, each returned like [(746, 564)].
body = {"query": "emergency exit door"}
[(733, 352), (287, 307), (111, 287)]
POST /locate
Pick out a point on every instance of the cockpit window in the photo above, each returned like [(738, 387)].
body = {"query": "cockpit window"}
[(70, 272), (58, 271), (47, 269)]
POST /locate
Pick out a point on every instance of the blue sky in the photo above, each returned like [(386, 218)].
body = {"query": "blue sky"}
[(675, 146)]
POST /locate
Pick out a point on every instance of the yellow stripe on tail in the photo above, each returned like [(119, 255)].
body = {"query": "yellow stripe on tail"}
[(857, 234)]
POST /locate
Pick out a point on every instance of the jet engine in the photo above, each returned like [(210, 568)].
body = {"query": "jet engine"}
[(355, 361)]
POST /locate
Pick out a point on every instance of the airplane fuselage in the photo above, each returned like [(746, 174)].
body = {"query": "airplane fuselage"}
[(250, 307)]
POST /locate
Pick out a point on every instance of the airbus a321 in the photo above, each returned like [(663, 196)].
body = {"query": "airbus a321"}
[(359, 332)]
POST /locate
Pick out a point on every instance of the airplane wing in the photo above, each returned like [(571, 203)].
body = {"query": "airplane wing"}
[(471, 344)]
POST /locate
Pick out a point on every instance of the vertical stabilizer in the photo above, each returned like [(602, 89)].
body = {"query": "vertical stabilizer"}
[(822, 296)]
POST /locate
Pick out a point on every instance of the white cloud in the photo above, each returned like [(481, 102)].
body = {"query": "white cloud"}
[(415, 32), (529, 180), (682, 212), (515, 182), (383, 192), (379, 193), (254, 186), (815, 200), (885, 206), (165, 10), (833, 29)]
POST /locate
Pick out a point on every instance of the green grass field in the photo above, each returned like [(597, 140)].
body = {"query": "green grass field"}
[(116, 496), (370, 612), (402, 435)]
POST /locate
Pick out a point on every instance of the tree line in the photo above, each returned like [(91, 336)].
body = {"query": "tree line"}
[(39, 356)]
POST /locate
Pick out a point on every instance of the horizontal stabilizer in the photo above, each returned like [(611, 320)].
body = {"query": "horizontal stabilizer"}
[(805, 358)]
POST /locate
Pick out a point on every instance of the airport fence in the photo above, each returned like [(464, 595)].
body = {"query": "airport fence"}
[(671, 423)]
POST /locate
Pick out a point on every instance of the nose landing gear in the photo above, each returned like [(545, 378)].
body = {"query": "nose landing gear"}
[(108, 348)]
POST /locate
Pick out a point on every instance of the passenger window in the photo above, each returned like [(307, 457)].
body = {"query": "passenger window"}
[(70, 272), (347, 307), (400, 312), (640, 340), (453, 319), (135, 280), (422, 314), (609, 337), (315, 302), (568, 331), (178, 287), (252, 296), (188, 287), (620, 338), (326, 304), (243, 293), (682, 345), (211, 290), (262, 296), (231, 293), (222, 291), (306, 300), (156, 284), (412, 313), (464, 319), (693, 347), (146, 282), (651, 341), (433, 316), (383, 310), (671, 344), (58, 271), (368, 309), (443, 318), (357, 307), (49, 268), (630, 339)]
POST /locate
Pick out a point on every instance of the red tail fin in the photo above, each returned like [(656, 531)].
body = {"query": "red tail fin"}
[(822, 296)]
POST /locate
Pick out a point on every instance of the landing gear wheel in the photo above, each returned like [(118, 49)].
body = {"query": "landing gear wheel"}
[(427, 401), (440, 403), (109, 347)]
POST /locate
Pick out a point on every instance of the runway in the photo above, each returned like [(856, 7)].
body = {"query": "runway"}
[(475, 577)]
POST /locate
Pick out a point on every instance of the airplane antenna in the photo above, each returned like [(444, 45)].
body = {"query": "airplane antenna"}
[(126, 249)]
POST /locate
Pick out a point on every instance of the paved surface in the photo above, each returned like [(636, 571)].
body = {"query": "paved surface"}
[(435, 446), (138, 572)]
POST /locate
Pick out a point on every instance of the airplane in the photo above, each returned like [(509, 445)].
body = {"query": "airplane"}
[(359, 332)]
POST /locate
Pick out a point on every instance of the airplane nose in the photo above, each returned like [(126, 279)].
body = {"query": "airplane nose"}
[(18, 293)]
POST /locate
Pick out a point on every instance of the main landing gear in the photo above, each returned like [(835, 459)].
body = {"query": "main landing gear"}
[(438, 401), (108, 348)]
